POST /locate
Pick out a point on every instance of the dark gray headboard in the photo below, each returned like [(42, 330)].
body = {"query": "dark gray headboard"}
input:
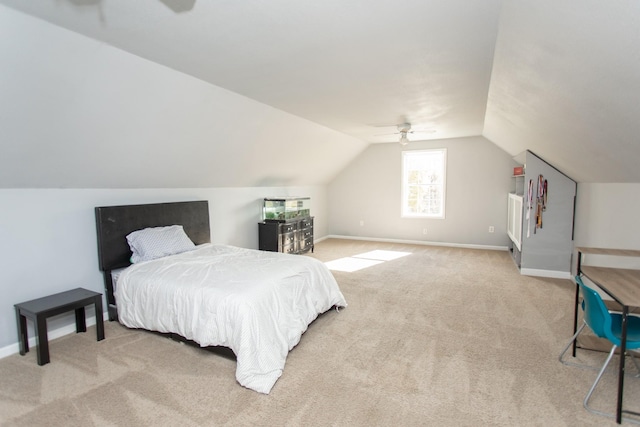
[(113, 223)]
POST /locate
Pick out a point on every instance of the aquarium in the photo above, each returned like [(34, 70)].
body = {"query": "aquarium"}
[(286, 208)]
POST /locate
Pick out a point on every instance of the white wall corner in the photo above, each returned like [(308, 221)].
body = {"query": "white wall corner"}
[(546, 273)]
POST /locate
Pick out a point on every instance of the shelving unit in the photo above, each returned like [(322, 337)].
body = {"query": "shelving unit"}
[(514, 213), (517, 185)]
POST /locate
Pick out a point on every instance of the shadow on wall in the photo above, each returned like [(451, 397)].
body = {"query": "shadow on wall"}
[(177, 6), (274, 181)]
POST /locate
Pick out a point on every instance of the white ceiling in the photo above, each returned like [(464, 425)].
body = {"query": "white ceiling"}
[(560, 78)]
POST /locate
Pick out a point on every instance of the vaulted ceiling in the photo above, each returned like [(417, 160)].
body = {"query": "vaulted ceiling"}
[(559, 78)]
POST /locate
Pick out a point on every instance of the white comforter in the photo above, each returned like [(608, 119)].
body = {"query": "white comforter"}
[(256, 303)]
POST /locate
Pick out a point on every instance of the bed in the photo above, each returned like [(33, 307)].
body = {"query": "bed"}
[(256, 303)]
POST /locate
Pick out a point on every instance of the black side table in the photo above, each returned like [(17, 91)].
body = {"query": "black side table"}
[(38, 310)]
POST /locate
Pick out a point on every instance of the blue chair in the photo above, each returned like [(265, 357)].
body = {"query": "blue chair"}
[(604, 324)]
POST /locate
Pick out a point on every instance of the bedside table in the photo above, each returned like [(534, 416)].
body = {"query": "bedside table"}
[(38, 310)]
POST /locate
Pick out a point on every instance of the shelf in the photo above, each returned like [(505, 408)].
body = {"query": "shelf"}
[(517, 184)]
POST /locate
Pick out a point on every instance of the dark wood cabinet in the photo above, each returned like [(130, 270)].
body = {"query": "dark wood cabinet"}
[(291, 237)]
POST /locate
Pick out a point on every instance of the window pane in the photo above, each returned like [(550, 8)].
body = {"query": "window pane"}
[(423, 183)]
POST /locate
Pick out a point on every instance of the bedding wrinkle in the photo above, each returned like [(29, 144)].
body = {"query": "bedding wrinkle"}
[(256, 303)]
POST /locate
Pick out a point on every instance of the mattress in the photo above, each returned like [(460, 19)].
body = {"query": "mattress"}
[(256, 303)]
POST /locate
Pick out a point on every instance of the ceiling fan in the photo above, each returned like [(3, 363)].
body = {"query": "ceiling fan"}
[(404, 129)]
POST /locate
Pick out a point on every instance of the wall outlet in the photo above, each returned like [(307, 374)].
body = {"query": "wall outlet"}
[(491, 229), (361, 223), (424, 231)]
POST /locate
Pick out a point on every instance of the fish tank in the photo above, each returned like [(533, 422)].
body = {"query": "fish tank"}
[(285, 209)]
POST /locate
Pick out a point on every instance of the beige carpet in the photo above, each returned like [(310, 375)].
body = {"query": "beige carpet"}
[(442, 337)]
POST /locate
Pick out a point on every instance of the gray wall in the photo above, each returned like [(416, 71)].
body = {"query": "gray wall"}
[(550, 247), (478, 181)]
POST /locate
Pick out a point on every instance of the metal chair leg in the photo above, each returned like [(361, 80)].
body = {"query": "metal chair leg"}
[(593, 387), (595, 383), (573, 338)]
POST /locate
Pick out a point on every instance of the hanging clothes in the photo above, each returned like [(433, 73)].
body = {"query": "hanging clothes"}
[(541, 201)]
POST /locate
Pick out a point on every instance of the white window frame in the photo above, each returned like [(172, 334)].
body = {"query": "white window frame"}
[(406, 156)]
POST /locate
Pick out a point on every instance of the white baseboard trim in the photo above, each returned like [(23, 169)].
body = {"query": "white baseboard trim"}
[(552, 274), (417, 242), (53, 334)]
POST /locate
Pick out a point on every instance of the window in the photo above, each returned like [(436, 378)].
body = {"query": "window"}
[(423, 183)]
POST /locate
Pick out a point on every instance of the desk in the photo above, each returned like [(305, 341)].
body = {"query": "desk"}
[(623, 285), (40, 309)]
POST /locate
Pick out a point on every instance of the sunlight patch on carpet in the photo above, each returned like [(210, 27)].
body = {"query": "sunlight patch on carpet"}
[(364, 260), (350, 264), (382, 255)]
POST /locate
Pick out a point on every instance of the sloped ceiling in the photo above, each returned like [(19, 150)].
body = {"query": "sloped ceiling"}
[(566, 85), (558, 78)]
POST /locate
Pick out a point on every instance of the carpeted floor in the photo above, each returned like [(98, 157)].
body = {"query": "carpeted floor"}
[(441, 337)]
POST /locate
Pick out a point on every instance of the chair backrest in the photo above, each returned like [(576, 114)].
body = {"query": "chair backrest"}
[(596, 315)]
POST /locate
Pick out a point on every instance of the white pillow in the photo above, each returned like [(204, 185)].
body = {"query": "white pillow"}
[(157, 242)]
